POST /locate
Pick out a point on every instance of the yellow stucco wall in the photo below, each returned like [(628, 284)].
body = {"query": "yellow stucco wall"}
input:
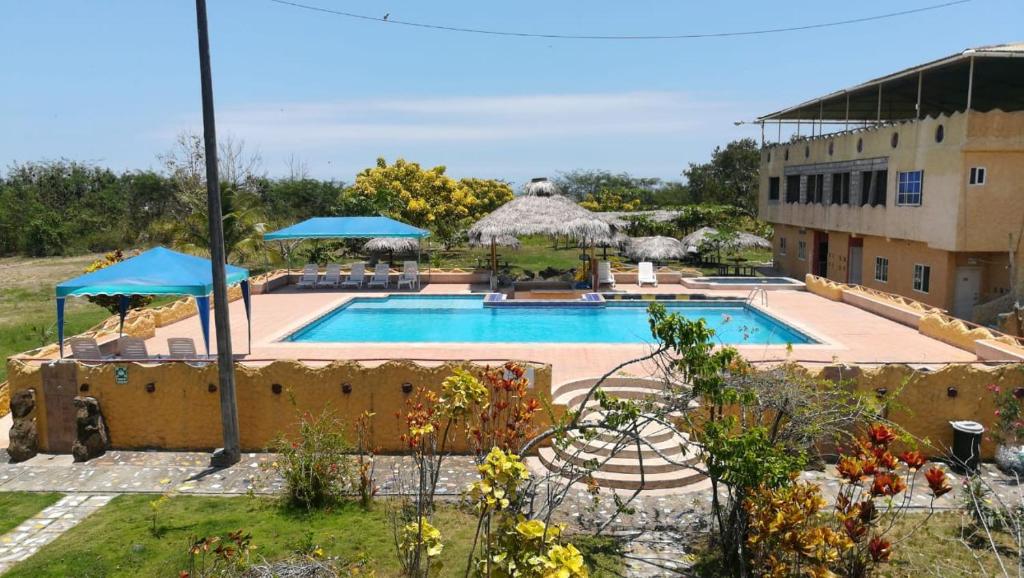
[(182, 412)]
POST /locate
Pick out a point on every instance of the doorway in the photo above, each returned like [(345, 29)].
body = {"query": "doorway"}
[(967, 291), (855, 264), (60, 386), (821, 254)]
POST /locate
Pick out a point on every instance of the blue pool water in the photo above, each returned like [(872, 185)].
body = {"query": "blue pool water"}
[(747, 280), (464, 319)]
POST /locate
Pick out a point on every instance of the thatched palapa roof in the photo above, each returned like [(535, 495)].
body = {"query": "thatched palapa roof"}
[(502, 241), (540, 211), (743, 240), (621, 219), (655, 249), (391, 245)]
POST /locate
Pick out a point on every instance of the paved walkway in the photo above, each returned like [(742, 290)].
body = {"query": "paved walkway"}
[(46, 526)]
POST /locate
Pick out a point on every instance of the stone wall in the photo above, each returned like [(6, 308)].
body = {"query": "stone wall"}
[(175, 405)]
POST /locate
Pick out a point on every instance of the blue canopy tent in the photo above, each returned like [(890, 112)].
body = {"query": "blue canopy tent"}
[(347, 227), (158, 271)]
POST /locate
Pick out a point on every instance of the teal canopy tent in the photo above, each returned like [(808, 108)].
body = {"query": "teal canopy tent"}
[(347, 227), (158, 271)]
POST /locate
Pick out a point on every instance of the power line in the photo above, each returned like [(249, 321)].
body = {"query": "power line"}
[(388, 20)]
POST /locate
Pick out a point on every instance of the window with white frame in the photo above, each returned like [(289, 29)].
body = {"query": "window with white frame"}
[(922, 278), (909, 187), (782, 245), (977, 176), (801, 250), (882, 269)]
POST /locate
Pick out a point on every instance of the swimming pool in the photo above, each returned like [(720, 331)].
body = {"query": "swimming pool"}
[(742, 283), (464, 319)]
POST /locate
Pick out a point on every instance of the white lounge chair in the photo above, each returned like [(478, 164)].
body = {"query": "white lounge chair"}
[(85, 348), (182, 347), (357, 277), (410, 275), (646, 274), (332, 277), (380, 276), (310, 275), (604, 274), (132, 348)]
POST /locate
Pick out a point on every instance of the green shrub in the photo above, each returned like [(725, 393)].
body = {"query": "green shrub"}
[(316, 466)]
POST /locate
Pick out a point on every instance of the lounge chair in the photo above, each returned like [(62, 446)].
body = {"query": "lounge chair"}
[(380, 276), (85, 348), (310, 275), (646, 274), (182, 347), (132, 348), (410, 275), (604, 274), (356, 277), (332, 277)]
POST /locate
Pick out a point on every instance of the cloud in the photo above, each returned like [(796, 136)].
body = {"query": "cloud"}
[(297, 126)]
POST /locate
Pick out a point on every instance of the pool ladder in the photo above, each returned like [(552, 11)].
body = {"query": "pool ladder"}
[(758, 292)]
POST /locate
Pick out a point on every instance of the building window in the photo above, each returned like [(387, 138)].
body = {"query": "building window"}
[(977, 176), (882, 269), (841, 189), (801, 250), (815, 189), (793, 189), (922, 278), (782, 245), (908, 192), (873, 187), (773, 188)]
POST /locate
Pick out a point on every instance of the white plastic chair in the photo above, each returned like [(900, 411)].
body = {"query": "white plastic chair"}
[(132, 348), (646, 274), (332, 277), (310, 275), (85, 348), (410, 275), (357, 277), (380, 276), (604, 274), (182, 347)]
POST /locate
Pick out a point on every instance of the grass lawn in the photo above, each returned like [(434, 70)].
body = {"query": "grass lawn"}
[(16, 507), (945, 547), (118, 541)]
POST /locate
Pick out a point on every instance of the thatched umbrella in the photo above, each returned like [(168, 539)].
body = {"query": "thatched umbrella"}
[(742, 240), (616, 239), (655, 249), (502, 241), (540, 210), (391, 245)]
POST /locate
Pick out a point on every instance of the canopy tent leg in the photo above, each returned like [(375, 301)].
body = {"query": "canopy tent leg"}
[(247, 298), (203, 306), (60, 325), (123, 302)]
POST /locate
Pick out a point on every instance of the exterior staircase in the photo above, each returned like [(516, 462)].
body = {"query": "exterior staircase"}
[(621, 464)]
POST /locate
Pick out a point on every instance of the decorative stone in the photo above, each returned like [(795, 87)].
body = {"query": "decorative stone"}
[(92, 439), (24, 439)]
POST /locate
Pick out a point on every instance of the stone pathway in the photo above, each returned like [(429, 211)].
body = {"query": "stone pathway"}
[(46, 526)]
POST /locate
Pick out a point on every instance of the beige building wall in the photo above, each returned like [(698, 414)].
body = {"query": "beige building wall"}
[(903, 255)]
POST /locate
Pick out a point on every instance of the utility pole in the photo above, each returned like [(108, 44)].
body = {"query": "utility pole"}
[(231, 452)]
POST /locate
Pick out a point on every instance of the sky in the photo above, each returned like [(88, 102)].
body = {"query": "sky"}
[(113, 82)]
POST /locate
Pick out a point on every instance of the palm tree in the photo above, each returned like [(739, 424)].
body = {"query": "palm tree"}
[(243, 226)]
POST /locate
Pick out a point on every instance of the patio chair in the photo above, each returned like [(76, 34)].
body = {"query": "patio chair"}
[(182, 347), (645, 274), (604, 274), (380, 276), (132, 348), (410, 275), (356, 277), (310, 275), (332, 277), (86, 348)]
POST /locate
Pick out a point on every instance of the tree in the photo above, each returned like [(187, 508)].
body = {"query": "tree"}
[(730, 178), (243, 226), (489, 194)]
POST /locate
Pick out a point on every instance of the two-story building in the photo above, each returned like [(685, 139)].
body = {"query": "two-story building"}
[(912, 183)]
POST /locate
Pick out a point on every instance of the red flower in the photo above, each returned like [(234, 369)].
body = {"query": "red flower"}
[(880, 434), (867, 512), (854, 529), (880, 549), (887, 485), (914, 460), (937, 481), (886, 459)]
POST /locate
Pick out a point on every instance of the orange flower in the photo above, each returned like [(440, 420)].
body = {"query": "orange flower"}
[(914, 460), (880, 549), (885, 459), (850, 469), (854, 529), (887, 485), (937, 481), (880, 434)]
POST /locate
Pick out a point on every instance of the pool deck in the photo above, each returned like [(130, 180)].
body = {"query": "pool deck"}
[(849, 335)]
